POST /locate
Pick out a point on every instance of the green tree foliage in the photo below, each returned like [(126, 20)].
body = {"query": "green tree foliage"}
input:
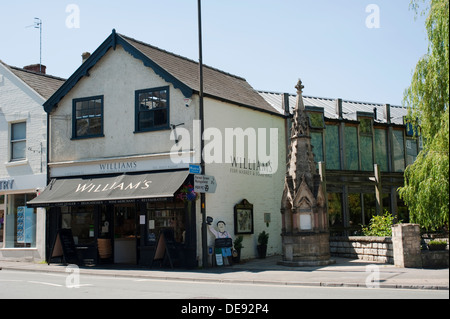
[(426, 190), (380, 226)]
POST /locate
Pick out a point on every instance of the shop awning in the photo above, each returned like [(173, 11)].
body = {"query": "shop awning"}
[(110, 190)]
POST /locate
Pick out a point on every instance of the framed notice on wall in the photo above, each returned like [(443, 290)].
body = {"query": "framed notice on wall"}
[(243, 218)]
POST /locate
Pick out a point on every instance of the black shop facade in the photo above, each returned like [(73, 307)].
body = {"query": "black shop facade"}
[(122, 211)]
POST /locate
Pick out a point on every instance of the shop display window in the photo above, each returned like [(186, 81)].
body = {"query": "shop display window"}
[(80, 219), (165, 215), (125, 222), (19, 224)]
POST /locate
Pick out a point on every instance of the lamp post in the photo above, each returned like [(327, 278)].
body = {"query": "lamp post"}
[(202, 128)]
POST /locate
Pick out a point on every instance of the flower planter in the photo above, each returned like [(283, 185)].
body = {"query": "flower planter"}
[(262, 251), (236, 256), (437, 247)]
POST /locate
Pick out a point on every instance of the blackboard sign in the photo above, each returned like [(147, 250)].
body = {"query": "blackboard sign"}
[(223, 243), (64, 247), (167, 250)]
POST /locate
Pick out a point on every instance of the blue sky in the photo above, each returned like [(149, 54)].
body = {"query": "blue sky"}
[(270, 43)]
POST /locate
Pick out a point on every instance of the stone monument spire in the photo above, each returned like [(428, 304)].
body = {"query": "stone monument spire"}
[(303, 208), (301, 157)]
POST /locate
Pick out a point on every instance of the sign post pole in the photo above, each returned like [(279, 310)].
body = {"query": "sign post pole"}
[(202, 195)]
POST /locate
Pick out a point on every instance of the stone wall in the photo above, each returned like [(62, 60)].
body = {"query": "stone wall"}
[(406, 240), (403, 249), (370, 248)]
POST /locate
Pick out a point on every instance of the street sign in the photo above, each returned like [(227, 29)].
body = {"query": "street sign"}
[(195, 169), (205, 184)]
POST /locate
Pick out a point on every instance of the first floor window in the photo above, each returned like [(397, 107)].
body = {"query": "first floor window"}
[(18, 141), (152, 109), (88, 117)]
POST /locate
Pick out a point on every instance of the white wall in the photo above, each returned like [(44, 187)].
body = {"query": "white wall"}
[(236, 184), (116, 76), (19, 103)]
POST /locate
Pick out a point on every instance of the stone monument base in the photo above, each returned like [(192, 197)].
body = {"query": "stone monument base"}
[(306, 249)]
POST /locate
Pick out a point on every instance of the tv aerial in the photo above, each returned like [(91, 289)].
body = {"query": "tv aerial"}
[(38, 25)]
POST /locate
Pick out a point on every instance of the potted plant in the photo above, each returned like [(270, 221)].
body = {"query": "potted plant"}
[(237, 249), (437, 245), (263, 239)]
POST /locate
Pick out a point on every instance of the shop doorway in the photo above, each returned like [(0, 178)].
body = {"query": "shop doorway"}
[(125, 234)]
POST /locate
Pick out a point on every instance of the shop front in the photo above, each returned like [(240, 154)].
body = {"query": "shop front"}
[(21, 227), (121, 219)]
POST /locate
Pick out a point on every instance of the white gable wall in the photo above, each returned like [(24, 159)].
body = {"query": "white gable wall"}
[(241, 181), (116, 76), (20, 103)]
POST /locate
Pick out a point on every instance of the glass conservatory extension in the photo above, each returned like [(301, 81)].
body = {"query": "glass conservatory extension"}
[(365, 148)]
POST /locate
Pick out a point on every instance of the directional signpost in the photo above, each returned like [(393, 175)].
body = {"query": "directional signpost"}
[(205, 184), (195, 169)]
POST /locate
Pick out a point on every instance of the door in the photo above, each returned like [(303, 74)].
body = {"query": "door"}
[(125, 234)]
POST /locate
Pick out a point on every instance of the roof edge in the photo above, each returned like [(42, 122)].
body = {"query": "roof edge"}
[(111, 42)]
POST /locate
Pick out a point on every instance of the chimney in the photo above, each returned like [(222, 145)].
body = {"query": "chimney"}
[(38, 68), (85, 56)]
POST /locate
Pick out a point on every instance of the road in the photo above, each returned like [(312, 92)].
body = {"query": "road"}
[(40, 285)]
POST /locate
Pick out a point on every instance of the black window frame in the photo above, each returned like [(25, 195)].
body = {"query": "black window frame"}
[(75, 118), (138, 127)]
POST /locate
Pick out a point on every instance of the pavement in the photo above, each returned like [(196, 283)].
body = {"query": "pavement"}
[(343, 273)]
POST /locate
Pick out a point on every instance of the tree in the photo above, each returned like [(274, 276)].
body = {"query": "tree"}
[(426, 189)]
